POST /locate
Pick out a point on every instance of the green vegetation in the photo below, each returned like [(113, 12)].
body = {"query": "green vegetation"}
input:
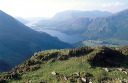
[(108, 42), (93, 43), (117, 42), (97, 65)]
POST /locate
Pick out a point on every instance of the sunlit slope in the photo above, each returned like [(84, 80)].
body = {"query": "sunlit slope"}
[(98, 65)]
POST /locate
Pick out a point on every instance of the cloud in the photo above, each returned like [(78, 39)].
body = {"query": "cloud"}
[(113, 4)]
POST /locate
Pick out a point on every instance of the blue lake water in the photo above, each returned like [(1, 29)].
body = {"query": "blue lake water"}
[(62, 36)]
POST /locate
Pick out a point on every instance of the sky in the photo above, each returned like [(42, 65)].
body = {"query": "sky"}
[(48, 8)]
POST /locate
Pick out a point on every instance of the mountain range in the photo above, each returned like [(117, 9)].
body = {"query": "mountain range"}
[(67, 17), (18, 42), (107, 26), (114, 26)]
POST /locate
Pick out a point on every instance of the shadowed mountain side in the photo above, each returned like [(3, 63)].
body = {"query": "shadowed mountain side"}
[(4, 65), (18, 42)]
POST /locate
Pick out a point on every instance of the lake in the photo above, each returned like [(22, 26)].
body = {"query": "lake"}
[(62, 36)]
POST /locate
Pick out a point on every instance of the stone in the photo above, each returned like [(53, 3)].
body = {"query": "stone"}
[(77, 74), (83, 79), (125, 72), (54, 73), (120, 69), (90, 82), (86, 80), (65, 78), (106, 69), (30, 81), (122, 81)]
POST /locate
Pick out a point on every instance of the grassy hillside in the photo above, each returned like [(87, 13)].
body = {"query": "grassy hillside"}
[(108, 42), (97, 65)]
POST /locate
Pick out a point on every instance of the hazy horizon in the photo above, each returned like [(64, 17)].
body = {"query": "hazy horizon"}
[(48, 8)]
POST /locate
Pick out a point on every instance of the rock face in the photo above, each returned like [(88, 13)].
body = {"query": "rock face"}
[(106, 69), (85, 80), (18, 42), (54, 73)]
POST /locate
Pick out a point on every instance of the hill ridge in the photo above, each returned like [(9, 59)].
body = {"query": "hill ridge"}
[(78, 63)]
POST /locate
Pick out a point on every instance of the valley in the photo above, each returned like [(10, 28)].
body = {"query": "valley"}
[(61, 36), (63, 41), (78, 40), (106, 28), (19, 42)]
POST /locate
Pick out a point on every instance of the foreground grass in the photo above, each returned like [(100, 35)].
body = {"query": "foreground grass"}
[(93, 43), (67, 68)]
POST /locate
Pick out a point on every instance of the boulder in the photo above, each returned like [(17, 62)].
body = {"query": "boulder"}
[(65, 78), (54, 73), (85, 80), (106, 69)]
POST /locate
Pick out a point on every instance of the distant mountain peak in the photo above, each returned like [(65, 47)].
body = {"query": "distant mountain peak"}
[(76, 13)]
